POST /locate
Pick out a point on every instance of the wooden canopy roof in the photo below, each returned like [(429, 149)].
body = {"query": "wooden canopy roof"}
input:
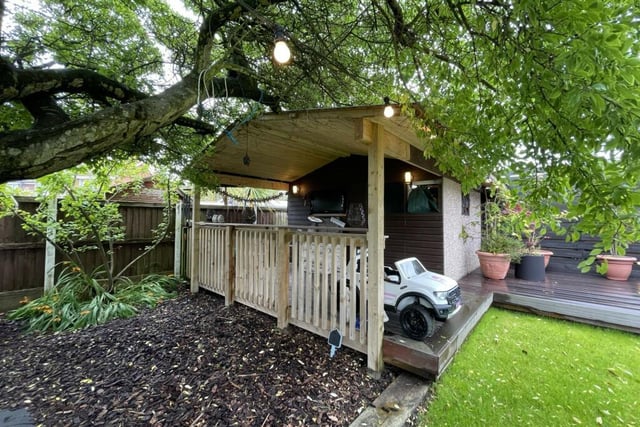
[(283, 147)]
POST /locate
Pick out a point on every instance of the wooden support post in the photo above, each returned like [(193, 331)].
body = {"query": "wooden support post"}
[(230, 269), (50, 249), (195, 239), (177, 244), (375, 237), (282, 260)]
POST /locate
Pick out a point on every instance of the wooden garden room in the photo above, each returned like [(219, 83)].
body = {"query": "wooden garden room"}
[(357, 182)]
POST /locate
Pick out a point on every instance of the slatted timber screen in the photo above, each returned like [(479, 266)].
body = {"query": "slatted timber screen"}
[(317, 293), (213, 271), (256, 272), (321, 296)]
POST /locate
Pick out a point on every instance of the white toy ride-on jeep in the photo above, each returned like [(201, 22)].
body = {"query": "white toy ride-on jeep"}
[(418, 295)]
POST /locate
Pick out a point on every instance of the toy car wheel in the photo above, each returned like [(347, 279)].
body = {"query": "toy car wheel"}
[(416, 322)]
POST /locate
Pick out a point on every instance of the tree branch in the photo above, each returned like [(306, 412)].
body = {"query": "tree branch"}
[(56, 142)]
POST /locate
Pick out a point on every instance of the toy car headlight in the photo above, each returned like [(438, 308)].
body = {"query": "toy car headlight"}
[(441, 294)]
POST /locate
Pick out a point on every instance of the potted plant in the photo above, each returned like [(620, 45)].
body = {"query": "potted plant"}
[(616, 230), (616, 264), (532, 262), (499, 245)]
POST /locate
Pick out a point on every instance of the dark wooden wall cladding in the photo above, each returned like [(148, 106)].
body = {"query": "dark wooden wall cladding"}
[(418, 235)]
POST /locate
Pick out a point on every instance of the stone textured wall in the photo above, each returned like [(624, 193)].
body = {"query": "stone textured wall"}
[(459, 254)]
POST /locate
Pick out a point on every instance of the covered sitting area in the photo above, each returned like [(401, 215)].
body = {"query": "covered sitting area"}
[(301, 273)]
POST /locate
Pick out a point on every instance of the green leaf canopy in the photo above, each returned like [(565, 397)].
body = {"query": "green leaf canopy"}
[(544, 93)]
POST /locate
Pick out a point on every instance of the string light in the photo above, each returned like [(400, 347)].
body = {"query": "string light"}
[(388, 109), (250, 200), (281, 51)]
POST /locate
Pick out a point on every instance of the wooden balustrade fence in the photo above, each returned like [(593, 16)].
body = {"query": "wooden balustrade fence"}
[(301, 278)]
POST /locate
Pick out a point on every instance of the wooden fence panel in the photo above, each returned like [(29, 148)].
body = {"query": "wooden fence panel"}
[(256, 275), (22, 255), (214, 259), (322, 297)]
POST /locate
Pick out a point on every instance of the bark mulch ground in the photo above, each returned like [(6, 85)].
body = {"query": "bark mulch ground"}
[(189, 362)]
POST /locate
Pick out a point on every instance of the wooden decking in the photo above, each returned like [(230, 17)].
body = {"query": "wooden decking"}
[(429, 358), (586, 298)]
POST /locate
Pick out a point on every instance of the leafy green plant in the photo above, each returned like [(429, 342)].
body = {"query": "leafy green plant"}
[(89, 217), (89, 221), (79, 300), (616, 229), (498, 234), (148, 292)]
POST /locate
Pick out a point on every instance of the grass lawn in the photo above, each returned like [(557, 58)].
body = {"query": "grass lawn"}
[(519, 369)]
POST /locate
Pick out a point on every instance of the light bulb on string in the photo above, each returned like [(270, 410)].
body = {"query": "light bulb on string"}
[(281, 51), (388, 109)]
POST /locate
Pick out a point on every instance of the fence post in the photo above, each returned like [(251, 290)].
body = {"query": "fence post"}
[(195, 239), (230, 269), (177, 245), (282, 257), (49, 248), (375, 239)]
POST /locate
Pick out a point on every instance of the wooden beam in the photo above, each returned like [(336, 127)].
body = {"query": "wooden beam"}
[(324, 113), (363, 130), (230, 268), (282, 257), (195, 239), (394, 146), (375, 237)]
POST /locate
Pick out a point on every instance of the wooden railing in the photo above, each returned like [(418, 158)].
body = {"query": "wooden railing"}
[(214, 272), (301, 278)]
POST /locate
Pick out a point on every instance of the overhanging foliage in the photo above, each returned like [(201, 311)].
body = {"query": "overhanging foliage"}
[(543, 90)]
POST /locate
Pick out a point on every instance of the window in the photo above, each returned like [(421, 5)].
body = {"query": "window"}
[(466, 203)]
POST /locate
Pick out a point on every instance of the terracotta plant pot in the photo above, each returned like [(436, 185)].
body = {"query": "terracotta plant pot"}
[(494, 266), (547, 256), (618, 267)]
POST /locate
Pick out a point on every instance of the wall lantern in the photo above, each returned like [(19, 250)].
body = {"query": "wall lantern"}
[(281, 51), (295, 189), (408, 177)]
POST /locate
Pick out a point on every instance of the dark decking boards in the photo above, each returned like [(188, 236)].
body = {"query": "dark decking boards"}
[(586, 298), (429, 358)]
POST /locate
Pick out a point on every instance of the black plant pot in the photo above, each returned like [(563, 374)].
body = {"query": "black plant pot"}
[(531, 268)]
